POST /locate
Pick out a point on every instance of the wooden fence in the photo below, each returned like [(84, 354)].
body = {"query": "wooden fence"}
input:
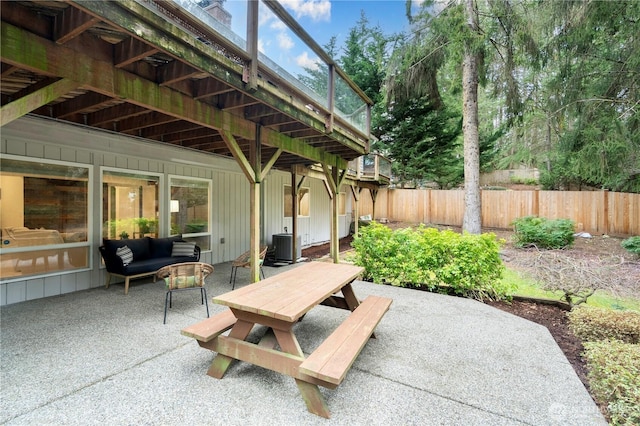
[(596, 212)]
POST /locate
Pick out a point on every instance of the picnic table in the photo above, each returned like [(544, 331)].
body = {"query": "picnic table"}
[(279, 302)]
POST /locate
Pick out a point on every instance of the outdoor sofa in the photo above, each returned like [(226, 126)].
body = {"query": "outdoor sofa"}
[(135, 258)]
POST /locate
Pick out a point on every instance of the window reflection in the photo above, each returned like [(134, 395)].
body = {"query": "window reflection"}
[(189, 210), (43, 217), (130, 205)]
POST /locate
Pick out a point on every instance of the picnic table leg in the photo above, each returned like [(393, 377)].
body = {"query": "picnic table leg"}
[(221, 363), (350, 297), (310, 392), (268, 340), (352, 300), (313, 398)]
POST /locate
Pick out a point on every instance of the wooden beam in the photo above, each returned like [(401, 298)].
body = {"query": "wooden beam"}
[(237, 153), (133, 125), (235, 100), (259, 111), (71, 23), (35, 100), (329, 177), (209, 146), (40, 55), (331, 88), (7, 70), (80, 104), (176, 42), (175, 71), (355, 191), (115, 113), (333, 181), (294, 216), (33, 88), (186, 134), (131, 50), (250, 74), (255, 154), (374, 196), (269, 164), (210, 87), (161, 130)]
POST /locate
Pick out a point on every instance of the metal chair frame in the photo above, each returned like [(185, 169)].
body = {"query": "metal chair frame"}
[(198, 270), (242, 262)]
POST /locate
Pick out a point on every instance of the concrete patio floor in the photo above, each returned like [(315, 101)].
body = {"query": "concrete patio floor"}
[(98, 357)]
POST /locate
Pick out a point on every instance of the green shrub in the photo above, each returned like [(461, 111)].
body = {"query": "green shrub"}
[(614, 378), (523, 180), (632, 244), (466, 265), (543, 233), (592, 324)]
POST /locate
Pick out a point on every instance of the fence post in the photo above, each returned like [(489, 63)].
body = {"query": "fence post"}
[(427, 209), (605, 208), (536, 203)]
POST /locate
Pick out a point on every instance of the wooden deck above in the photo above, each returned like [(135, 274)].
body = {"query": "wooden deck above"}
[(154, 70)]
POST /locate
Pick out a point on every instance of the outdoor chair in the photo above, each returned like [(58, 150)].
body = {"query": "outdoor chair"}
[(184, 276), (244, 261)]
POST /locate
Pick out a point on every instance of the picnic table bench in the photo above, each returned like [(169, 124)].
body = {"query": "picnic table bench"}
[(279, 302)]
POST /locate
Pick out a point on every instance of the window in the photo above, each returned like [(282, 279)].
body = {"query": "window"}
[(129, 205), (303, 201), (44, 211), (189, 209), (342, 203)]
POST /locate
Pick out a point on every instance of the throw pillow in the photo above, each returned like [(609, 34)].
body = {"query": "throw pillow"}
[(125, 254), (181, 282), (181, 248)]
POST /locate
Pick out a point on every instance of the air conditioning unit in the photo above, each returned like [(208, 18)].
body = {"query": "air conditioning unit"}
[(283, 245)]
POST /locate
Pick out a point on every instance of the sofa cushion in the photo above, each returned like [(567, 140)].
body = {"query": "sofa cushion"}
[(182, 248), (151, 265), (161, 247), (125, 254), (139, 247)]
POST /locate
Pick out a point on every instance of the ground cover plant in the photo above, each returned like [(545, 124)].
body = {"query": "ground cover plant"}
[(592, 324), (462, 264), (612, 352), (614, 379)]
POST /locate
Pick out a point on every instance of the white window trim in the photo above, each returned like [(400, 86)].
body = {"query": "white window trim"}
[(167, 211), (90, 204), (160, 177)]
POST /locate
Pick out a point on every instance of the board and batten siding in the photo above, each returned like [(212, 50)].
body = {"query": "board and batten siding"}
[(313, 229), (38, 138)]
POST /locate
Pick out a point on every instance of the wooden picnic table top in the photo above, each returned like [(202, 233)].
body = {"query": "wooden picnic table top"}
[(289, 295)]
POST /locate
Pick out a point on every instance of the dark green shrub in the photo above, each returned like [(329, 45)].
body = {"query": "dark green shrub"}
[(540, 232), (591, 324), (195, 226), (632, 244), (614, 378), (466, 265), (523, 180)]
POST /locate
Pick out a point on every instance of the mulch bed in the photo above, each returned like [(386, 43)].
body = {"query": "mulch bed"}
[(556, 321)]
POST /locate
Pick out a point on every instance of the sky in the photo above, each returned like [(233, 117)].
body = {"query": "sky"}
[(321, 19)]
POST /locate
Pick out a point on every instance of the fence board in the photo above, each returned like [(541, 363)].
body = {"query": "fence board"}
[(596, 212), (501, 208)]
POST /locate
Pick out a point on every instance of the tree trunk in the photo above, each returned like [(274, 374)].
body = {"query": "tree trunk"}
[(472, 221)]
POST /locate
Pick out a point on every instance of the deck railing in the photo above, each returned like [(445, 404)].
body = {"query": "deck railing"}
[(373, 167), (321, 85)]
